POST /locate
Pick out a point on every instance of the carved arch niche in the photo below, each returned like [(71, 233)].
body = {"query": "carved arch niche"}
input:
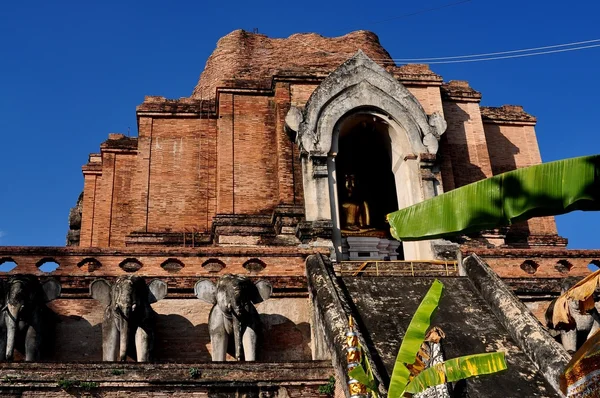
[(362, 88)]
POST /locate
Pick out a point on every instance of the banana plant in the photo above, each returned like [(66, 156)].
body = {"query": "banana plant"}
[(546, 189), (408, 376)]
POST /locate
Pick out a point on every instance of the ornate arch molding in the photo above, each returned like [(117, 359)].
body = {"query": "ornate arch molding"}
[(361, 85), (360, 82)]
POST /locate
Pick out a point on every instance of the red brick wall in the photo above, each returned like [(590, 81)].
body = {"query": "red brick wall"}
[(184, 172), (126, 213), (513, 146), (90, 183), (507, 262), (177, 196), (168, 183), (103, 202), (285, 159), (255, 177), (300, 93), (278, 261), (465, 144), (428, 96), (189, 167)]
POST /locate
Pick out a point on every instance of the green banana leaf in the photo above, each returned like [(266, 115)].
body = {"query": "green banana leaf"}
[(457, 369), (413, 338), (543, 190)]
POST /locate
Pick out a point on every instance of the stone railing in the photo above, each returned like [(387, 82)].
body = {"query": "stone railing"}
[(539, 263), (181, 267), (397, 268)]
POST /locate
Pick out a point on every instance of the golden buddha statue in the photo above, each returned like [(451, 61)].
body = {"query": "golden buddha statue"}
[(355, 215)]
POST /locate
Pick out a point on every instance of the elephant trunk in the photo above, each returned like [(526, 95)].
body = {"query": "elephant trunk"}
[(237, 337), (12, 321), (124, 335)]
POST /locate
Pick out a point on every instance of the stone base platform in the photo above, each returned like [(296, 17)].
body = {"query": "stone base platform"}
[(111, 379), (369, 248)]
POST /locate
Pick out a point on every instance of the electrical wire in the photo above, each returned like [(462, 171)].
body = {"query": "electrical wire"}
[(515, 55), (533, 51), (497, 53)]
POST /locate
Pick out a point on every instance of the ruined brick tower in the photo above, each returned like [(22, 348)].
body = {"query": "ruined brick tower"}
[(286, 149)]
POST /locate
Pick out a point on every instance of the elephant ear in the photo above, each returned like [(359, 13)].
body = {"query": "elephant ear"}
[(3, 290), (51, 290), (100, 290), (264, 291), (206, 291), (157, 290)]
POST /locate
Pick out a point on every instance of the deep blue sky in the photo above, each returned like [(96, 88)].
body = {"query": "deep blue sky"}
[(72, 71)]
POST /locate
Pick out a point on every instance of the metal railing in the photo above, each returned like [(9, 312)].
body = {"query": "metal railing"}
[(397, 268)]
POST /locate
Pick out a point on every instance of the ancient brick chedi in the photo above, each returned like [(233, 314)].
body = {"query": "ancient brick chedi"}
[(281, 166), (202, 163)]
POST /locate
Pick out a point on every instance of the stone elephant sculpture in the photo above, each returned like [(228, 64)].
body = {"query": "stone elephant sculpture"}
[(233, 317), (128, 316), (584, 325), (24, 314)]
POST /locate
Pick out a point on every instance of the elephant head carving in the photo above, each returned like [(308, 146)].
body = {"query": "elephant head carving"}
[(233, 315), (128, 315), (583, 325), (23, 299)]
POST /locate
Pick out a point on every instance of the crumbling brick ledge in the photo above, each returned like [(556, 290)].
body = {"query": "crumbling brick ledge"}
[(148, 379)]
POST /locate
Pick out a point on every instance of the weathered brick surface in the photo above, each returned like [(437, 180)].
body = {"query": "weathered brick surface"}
[(125, 214), (282, 379), (428, 96), (90, 183), (465, 143), (254, 155), (510, 133), (226, 151), (243, 59), (300, 93), (556, 263), (278, 261)]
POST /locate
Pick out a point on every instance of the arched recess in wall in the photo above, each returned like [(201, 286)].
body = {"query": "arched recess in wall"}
[(254, 265), (213, 265), (361, 88), (130, 265), (47, 265), (89, 264), (172, 265), (530, 266), (594, 265), (563, 266), (7, 264)]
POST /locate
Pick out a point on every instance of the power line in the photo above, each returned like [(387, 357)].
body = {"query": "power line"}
[(496, 53), (515, 55), (533, 51)]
